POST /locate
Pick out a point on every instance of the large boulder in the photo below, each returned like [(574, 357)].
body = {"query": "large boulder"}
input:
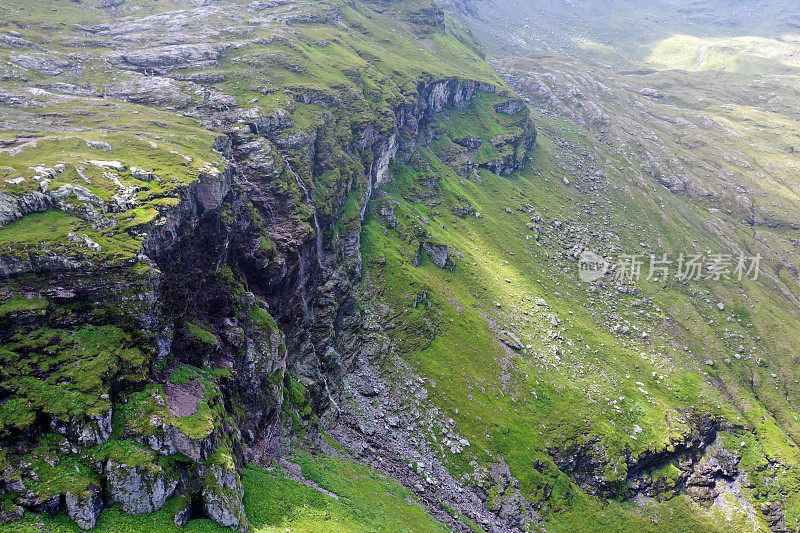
[(47, 504), (140, 489), (84, 507), (10, 512), (439, 254), (222, 493)]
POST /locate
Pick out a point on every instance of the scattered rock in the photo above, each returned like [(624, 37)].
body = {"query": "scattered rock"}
[(99, 145)]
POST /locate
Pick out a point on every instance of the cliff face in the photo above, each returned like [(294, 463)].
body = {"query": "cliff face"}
[(312, 293), (206, 300)]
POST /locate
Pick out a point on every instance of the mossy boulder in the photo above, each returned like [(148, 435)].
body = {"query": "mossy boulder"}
[(10, 512), (222, 492), (84, 506), (139, 488)]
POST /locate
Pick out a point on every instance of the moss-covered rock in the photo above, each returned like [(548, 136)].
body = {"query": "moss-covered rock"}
[(140, 488), (222, 491), (84, 507)]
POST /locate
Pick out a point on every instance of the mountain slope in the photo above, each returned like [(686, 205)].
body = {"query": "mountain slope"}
[(248, 246)]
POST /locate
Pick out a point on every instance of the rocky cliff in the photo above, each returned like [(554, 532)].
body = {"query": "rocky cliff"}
[(203, 310)]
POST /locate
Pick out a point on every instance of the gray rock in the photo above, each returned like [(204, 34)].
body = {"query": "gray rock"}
[(263, 159), (11, 481), (92, 431), (470, 141), (15, 207), (463, 212), (295, 139), (510, 107), (44, 63), (170, 56), (140, 489), (439, 254), (170, 440), (42, 504), (219, 101), (88, 206), (14, 42), (99, 145), (155, 91), (271, 124), (141, 174), (109, 165), (222, 496), (124, 200), (84, 507), (510, 339)]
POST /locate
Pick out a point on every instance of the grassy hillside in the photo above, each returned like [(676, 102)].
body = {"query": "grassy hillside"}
[(571, 377)]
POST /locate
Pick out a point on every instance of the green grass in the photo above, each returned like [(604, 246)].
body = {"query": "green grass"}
[(39, 227), (22, 305), (750, 54), (367, 500), (202, 335), (66, 374)]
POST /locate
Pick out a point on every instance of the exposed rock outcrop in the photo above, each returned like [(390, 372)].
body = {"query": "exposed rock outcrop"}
[(222, 495), (84, 507), (694, 464), (140, 489), (438, 253)]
